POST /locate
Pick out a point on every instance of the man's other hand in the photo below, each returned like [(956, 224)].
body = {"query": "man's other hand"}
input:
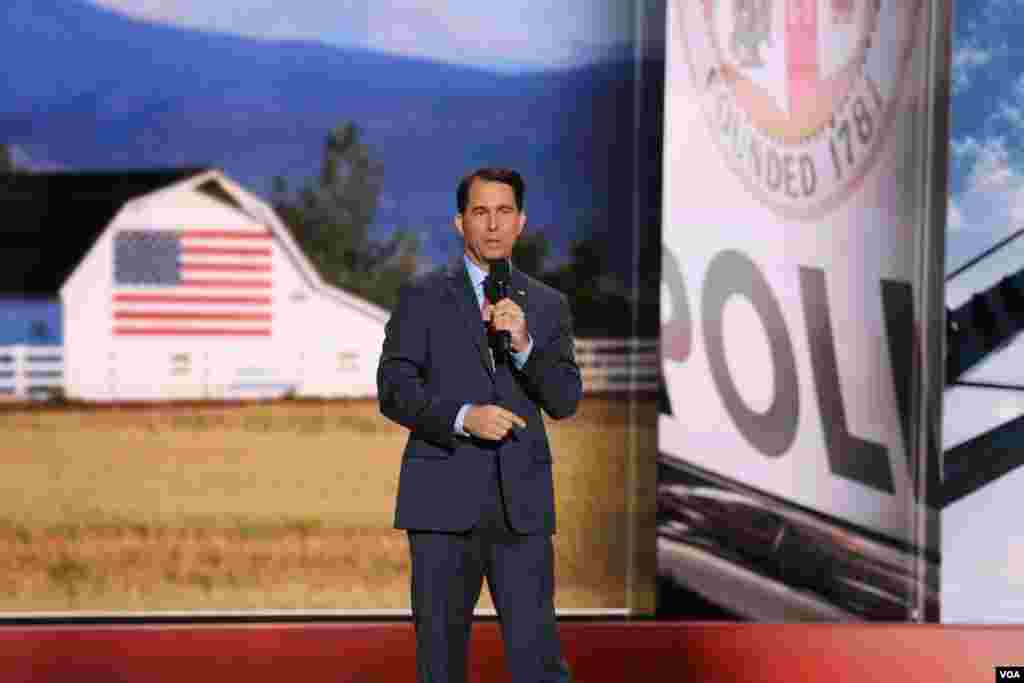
[(491, 422)]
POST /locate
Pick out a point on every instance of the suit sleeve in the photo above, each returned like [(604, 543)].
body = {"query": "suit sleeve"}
[(551, 371), (401, 375)]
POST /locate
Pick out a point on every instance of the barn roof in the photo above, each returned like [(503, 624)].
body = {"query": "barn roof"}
[(49, 221)]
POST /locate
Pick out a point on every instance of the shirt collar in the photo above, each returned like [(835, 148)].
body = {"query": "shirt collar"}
[(476, 273)]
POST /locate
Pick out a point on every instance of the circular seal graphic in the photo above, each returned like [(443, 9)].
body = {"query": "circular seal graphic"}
[(799, 95)]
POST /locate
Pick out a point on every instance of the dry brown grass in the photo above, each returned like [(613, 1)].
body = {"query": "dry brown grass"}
[(279, 506)]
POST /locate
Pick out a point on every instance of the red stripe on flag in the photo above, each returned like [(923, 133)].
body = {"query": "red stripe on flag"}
[(225, 251), (190, 331), (228, 284), (178, 299), (190, 315), (224, 235), (227, 267)]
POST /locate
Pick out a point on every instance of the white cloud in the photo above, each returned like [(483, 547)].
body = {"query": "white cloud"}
[(1016, 204), (537, 32), (991, 204), (965, 147), (966, 60), (418, 28), (1011, 109), (954, 216), (341, 22), (992, 170), (516, 32), (1012, 113)]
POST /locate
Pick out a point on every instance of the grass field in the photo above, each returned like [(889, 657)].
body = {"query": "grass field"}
[(280, 506)]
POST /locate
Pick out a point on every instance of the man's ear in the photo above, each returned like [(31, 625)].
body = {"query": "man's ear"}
[(458, 224)]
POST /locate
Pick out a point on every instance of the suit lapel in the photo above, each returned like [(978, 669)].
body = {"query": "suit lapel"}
[(469, 310), (518, 285)]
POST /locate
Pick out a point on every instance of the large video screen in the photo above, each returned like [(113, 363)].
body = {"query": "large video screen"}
[(209, 209)]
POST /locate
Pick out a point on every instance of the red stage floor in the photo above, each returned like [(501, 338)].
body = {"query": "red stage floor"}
[(639, 651)]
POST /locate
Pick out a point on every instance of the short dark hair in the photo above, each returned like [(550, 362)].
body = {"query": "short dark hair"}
[(494, 175)]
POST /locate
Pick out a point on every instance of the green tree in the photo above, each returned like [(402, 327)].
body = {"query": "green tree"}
[(6, 160), (331, 215), (531, 252), (600, 303)]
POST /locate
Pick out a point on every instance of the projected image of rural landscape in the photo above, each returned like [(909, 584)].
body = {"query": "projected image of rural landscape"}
[(208, 222)]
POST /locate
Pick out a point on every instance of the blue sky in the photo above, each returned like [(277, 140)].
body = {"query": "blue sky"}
[(987, 141), (510, 34), (986, 152)]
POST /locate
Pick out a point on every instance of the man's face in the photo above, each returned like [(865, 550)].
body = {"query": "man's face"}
[(491, 223)]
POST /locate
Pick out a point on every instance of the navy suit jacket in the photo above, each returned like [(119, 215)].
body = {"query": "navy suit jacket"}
[(435, 359)]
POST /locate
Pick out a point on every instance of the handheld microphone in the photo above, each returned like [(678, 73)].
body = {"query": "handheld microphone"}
[(499, 277)]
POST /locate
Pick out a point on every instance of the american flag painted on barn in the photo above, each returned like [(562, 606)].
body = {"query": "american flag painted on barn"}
[(193, 282)]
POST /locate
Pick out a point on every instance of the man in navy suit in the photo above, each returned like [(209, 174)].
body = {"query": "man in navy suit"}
[(475, 492)]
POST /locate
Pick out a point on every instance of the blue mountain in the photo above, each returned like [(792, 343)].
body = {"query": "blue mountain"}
[(87, 88)]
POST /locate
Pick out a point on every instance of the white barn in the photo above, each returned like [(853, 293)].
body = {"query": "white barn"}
[(195, 290)]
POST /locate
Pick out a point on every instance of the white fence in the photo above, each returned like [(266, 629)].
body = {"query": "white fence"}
[(607, 366), (31, 372), (618, 365)]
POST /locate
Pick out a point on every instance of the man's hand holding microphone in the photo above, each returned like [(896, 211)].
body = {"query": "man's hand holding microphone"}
[(506, 319)]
